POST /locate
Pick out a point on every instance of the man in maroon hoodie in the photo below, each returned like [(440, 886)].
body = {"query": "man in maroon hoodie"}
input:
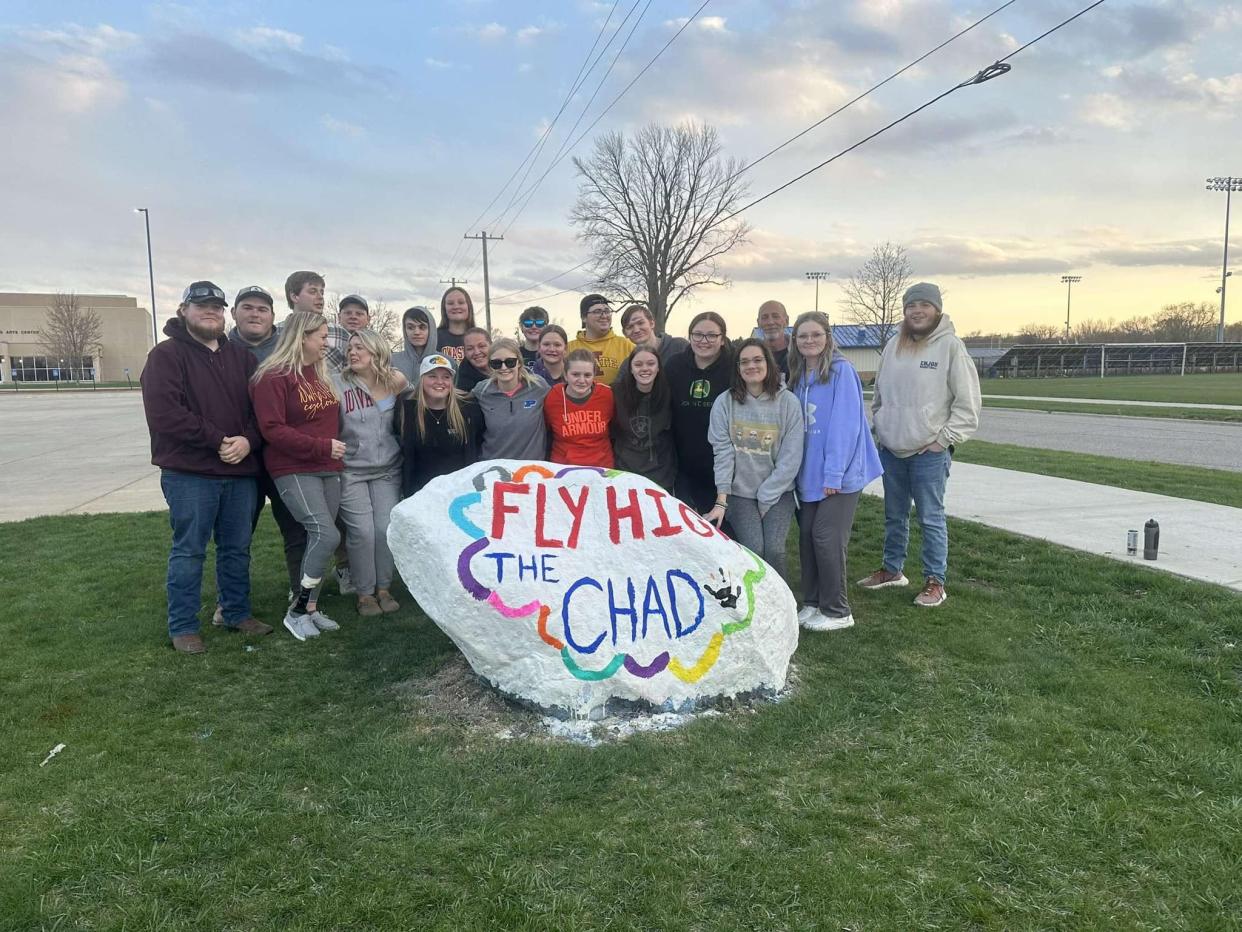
[(204, 438)]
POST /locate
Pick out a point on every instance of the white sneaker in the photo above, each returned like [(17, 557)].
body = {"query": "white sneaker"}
[(217, 617), (808, 612), (300, 626), (323, 622), (824, 623), (344, 582)]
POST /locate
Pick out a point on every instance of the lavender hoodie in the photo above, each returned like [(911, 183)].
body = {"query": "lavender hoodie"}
[(839, 452)]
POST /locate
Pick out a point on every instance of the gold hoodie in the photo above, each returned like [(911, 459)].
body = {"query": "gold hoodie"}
[(610, 351)]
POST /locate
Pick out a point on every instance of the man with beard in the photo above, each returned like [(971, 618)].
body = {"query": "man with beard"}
[(774, 322), (204, 438), (926, 402)]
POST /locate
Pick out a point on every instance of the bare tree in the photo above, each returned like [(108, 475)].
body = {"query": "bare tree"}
[(1186, 322), (71, 332), (385, 321), (873, 293), (654, 212), (1040, 333)]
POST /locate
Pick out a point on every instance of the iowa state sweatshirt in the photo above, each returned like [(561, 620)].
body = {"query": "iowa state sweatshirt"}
[(299, 417)]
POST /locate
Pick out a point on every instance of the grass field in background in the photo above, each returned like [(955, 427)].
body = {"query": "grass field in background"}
[(1195, 482), (1056, 746), (1192, 414), (1221, 388)]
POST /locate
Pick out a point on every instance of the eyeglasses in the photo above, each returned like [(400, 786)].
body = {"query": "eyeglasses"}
[(698, 337), (528, 322), (600, 311), (498, 364)]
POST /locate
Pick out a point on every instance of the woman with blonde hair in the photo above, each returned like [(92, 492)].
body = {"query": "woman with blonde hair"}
[(552, 347), (579, 414), (298, 410), (512, 404), (441, 426), (838, 460), (371, 484)]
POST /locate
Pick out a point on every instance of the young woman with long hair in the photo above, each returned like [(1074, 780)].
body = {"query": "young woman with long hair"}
[(553, 345), (839, 458), (299, 416), (642, 425), (456, 317), (418, 340), (473, 368), (697, 378), (512, 405), (371, 484), (579, 415), (756, 435), (440, 426)]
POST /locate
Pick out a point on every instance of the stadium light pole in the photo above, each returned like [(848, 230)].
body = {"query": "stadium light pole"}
[(817, 277), (1228, 185), (146, 216), (1068, 281)]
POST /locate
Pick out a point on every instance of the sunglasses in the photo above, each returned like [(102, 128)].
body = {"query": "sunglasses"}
[(498, 364), (202, 295), (531, 322)]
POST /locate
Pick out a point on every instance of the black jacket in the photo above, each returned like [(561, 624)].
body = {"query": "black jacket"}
[(694, 390), (439, 452)]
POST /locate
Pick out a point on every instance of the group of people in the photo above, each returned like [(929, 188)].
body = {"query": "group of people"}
[(333, 427)]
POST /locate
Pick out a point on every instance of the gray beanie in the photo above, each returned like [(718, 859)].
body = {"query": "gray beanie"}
[(924, 291)]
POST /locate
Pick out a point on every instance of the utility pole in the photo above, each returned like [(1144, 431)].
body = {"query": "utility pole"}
[(1068, 281), (487, 291), (817, 277), (146, 215), (1228, 185), (453, 282)]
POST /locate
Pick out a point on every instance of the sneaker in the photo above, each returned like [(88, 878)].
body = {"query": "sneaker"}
[(368, 607), (387, 603), (323, 622), (825, 623), (808, 612), (882, 579), (932, 595), (343, 580), (189, 644), (217, 617), (301, 626), (251, 626)]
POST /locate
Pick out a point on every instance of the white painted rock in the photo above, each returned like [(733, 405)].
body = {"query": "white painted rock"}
[(579, 591)]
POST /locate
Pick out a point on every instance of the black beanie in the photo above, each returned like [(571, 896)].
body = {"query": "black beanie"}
[(589, 301)]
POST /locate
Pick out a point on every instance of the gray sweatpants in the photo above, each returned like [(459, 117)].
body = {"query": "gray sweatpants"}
[(765, 537), (313, 499), (824, 538), (366, 505)]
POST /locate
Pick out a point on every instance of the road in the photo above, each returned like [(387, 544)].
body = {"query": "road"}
[(86, 452)]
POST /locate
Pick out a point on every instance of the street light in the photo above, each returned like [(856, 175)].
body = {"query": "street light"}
[(1228, 185), (817, 277), (1068, 281), (155, 334)]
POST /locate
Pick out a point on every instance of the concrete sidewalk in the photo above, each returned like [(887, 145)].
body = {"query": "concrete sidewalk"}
[(1114, 401), (1197, 540)]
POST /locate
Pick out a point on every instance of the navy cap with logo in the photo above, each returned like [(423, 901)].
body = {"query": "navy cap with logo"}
[(354, 299), (204, 293), (251, 291)]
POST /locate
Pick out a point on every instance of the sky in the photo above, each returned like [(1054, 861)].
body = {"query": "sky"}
[(363, 140)]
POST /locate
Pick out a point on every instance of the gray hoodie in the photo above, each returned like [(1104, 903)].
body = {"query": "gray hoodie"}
[(756, 445), (260, 350), (513, 425), (408, 359), (371, 445), (927, 395)]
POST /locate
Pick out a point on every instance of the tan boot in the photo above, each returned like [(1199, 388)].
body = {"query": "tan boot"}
[(368, 607)]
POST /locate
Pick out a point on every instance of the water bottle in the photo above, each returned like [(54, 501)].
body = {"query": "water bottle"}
[(1151, 539)]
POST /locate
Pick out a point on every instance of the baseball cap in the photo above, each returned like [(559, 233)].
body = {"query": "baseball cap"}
[(353, 299), (204, 293), (433, 362), (590, 301), (250, 291)]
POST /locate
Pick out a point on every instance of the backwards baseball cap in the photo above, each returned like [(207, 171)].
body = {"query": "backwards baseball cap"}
[(204, 293), (590, 301), (353, 299), (923, 291), (433, 362), (251, 291)]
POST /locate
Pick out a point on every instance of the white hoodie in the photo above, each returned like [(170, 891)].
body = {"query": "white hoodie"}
[(927, 395)]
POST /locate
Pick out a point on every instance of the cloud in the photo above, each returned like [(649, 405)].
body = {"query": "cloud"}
[(488, 32), (437, 64), (263, 37), (68, 69), (341, 127), (701, 23), (1109, 111), (98, 40), (1184, 252)]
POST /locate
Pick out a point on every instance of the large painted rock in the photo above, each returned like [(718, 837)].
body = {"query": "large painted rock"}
[(583, 591)]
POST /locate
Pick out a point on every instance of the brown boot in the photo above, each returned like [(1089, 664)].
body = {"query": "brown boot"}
[(251, 626), (386, 602), (189, 644), (368, 607)]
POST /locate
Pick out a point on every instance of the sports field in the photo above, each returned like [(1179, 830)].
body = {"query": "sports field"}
[(1056, 746), (1222, 388)]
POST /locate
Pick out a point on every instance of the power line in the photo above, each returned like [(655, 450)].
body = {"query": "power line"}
[(546, 281)]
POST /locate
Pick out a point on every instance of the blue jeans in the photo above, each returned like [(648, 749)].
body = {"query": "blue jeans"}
[(917, 480), (200, 508)]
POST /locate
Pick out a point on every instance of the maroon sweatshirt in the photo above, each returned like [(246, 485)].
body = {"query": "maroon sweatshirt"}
[(299, 417), (194, 397)]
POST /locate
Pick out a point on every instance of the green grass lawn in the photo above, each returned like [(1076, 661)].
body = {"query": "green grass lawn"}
[(1220, 388), (1195, 482), (1057, 746), (1193, 414)]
